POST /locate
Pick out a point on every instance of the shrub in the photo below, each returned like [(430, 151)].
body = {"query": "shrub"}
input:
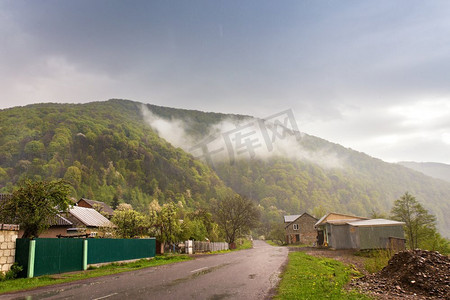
[(12, 273)]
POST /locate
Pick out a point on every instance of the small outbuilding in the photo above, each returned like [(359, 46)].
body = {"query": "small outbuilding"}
[(351, 232)]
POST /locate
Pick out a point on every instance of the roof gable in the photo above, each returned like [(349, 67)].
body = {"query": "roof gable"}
[(335, 217), (89, 217), (291, 218), (305, 214), (59, 220), (104, 207)]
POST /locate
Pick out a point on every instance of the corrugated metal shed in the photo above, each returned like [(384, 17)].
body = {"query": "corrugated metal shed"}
[(90, 217)]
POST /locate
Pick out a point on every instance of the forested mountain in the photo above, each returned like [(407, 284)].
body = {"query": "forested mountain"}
[(436, 170), (318, 176), (109, 151), (105, 150)]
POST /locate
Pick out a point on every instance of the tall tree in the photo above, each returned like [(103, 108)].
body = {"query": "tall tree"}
[(418, 222), (129, 223), (236, 215), (34, 205), (165, 222)]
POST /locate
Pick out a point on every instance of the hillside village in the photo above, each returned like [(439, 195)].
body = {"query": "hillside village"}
[(126, 193)]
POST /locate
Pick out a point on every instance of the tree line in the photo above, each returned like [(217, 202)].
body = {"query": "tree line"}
[(35, 203)]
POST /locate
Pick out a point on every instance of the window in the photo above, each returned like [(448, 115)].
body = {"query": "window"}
[(295, 226)]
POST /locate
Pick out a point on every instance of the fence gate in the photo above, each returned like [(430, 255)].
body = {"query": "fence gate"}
[(58, 256)]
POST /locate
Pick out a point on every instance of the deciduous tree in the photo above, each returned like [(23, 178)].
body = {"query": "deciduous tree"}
[(129, 222), (34, 205), (418, 222), (236, 215)]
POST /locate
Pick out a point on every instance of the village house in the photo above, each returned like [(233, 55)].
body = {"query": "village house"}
[(58, 226), (339, 231), (82, 218), (78, 220), (300, 229), (87, 221), (101, 207)]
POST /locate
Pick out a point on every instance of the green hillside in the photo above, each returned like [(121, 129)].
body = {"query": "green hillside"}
[(329, 178), (108, 152), (105, 150)]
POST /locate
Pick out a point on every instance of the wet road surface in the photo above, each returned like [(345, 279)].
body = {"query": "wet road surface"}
[(246, 274)]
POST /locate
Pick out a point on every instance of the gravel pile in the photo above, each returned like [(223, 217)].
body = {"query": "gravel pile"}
[(416, 274)]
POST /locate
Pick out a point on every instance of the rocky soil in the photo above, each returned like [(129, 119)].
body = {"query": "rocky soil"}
[(414, 274)]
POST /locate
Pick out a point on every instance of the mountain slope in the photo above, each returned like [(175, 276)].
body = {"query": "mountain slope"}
[(108, 151), (319, 176), (104, 149), (436, 170)]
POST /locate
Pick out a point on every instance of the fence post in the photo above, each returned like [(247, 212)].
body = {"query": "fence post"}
[(85, 254), (31, 254)]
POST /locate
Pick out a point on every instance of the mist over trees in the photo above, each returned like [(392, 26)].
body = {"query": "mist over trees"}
[(107, 152)]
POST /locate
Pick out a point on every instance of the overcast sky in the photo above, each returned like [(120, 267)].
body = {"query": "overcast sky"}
[(370, 75)]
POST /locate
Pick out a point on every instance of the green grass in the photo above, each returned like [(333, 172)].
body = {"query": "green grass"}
[(375, 259), (272, 243), (243, 244), (309, 277), (114, 268), (298, 245)]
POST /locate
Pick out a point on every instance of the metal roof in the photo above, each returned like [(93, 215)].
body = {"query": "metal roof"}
[(105, 207), (291, 218), (59, 220), (324, 219), (90, 217), (375, 222), (341, 221)]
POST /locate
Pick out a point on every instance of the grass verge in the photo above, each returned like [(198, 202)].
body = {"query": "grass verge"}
[(309, 277), (375, 259), (114, 268), (244, 244), (272, 243)]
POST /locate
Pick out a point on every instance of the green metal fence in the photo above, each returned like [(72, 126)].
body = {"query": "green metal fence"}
[(22, 255), (106, 250), (51, 256), (54, 256)]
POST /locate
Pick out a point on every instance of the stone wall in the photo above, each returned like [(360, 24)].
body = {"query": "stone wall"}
[(8, 236), (305, 233)]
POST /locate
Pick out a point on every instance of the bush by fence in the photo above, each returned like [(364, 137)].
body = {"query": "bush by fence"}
[(44, 256)]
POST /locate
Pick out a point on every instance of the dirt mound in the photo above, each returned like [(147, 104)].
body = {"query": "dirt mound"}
[(416, 274)]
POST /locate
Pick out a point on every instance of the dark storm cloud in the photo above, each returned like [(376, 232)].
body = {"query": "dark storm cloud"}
[(341, 66)]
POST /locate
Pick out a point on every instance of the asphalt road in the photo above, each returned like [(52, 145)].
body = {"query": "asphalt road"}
[(246, 274)]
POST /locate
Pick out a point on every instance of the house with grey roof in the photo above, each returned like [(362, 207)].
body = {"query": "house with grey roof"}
[(299, 229), (101, 207), (87, 220)]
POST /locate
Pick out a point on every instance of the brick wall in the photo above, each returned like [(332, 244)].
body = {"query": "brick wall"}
[(8, 236)]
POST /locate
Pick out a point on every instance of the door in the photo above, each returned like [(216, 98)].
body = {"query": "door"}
[(320, 237)]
